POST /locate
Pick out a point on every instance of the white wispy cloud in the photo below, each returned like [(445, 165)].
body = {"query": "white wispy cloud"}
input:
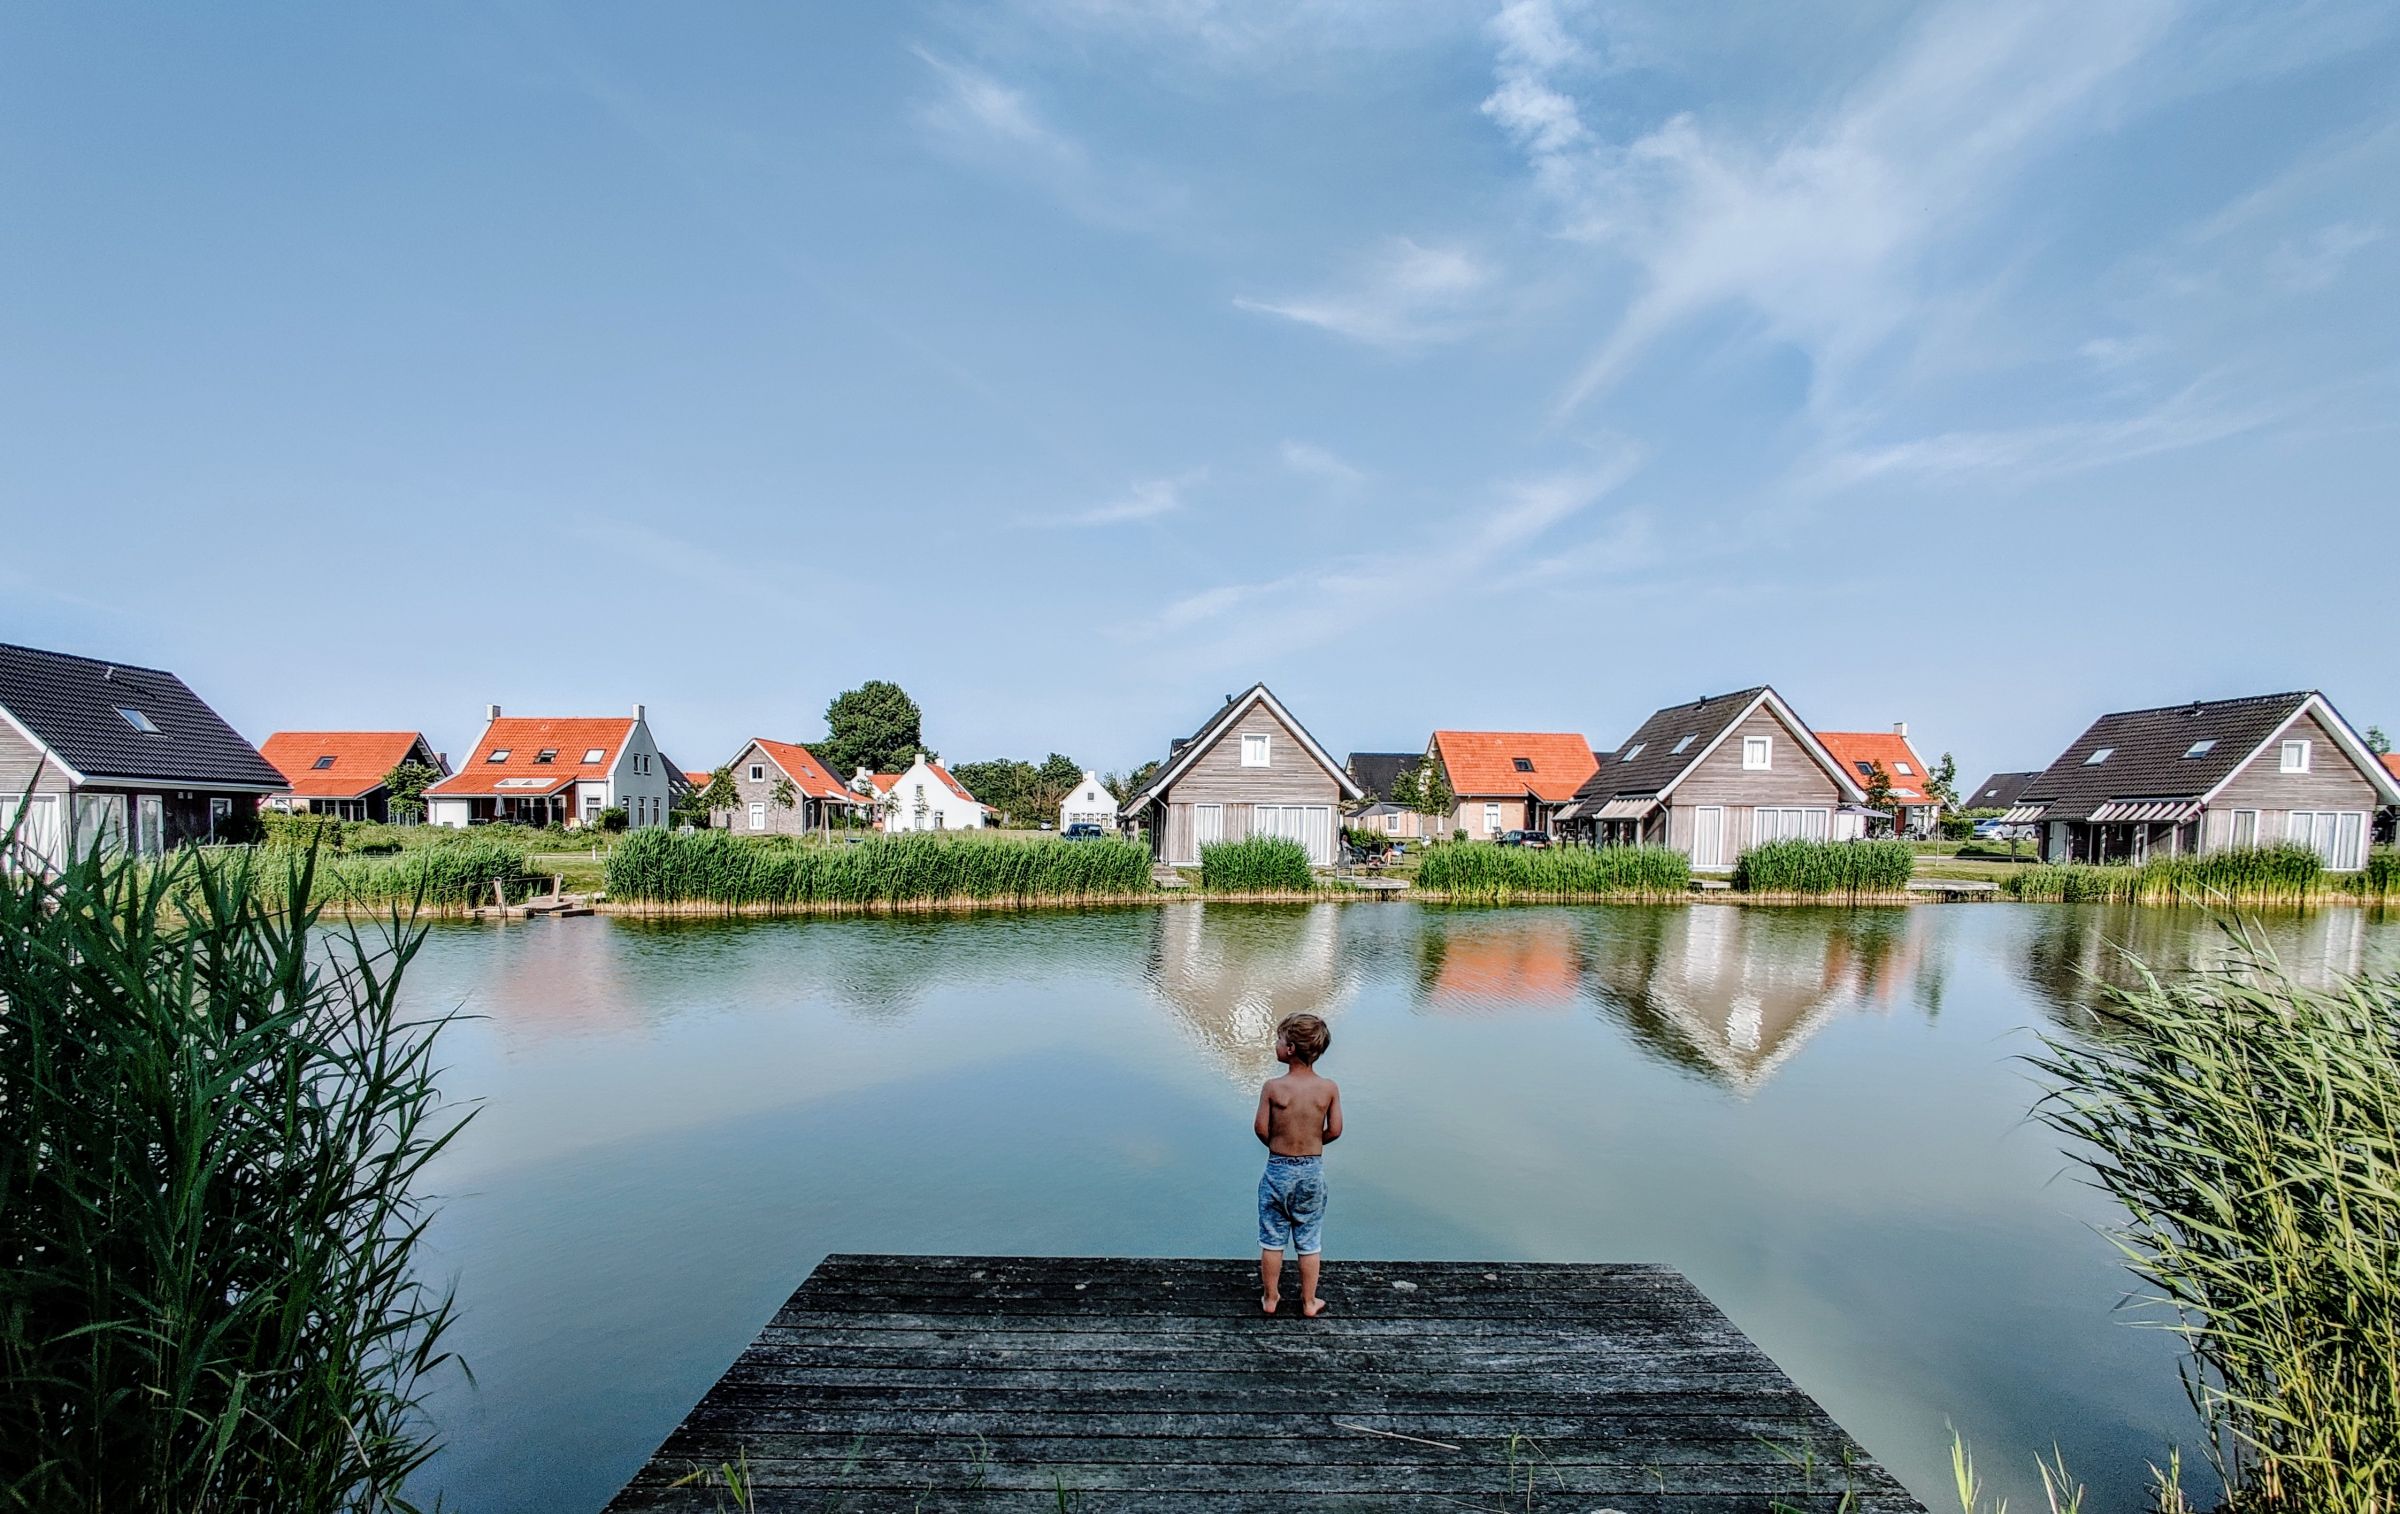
[(1147, 499), (1321, 463), (1405, 293), (2302, 265), (996, 126)]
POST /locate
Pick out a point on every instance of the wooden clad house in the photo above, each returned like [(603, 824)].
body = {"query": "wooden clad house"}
[(759, 769), (104, 754), (2000, 791), (1510, 780), (2209, 775), (543, 770), (1250, 770), (340, 773), (1715, 777), (1914, 810)]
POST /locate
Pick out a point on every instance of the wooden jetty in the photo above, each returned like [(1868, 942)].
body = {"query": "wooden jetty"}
[(945, 1382)]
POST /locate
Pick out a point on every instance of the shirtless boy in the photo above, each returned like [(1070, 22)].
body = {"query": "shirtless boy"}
[(1299, 1115)]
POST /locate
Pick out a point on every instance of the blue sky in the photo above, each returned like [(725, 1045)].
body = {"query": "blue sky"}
[(1075, 364)]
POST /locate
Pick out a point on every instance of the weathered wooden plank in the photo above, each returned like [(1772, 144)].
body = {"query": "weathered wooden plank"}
[(1154, 1385)]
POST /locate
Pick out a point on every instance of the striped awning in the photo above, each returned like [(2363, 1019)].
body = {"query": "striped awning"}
[(2138, 811), (1627, 809), (2024, 814)]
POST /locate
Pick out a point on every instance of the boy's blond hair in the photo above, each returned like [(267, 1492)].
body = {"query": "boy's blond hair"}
[(1306, 1035)]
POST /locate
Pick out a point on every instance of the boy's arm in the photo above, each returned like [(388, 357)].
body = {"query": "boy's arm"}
[(1260, 1125), (1333, 1116)]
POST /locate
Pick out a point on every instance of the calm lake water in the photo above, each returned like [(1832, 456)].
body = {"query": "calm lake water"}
[(1815, 1114)]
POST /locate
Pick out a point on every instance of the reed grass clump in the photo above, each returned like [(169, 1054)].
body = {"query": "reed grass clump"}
[(2276, 874), (2249, 1125), (655, 866), (452, 875), (1825, 868), (1256, 865), (213, 1120), (1473, 872)]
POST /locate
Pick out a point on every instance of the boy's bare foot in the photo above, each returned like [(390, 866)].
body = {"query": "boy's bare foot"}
[(1268, 1301), (1310, 1308)]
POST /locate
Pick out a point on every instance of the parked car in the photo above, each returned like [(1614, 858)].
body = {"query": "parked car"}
[(1082, 830), (1994, 830), (1536, 839)]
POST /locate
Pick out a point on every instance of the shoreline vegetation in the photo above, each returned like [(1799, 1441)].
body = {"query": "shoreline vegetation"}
[(443, 873)]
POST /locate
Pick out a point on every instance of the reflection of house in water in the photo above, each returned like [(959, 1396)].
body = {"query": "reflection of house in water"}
[(1230, 974), (1497, 965), (2076, 954), (1732, 993)]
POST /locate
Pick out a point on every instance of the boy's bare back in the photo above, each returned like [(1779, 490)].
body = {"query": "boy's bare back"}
[(1299, 1112)]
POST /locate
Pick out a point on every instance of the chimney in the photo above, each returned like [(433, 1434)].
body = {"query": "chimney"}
[(491, 712), (640, 711), (1900, 729)]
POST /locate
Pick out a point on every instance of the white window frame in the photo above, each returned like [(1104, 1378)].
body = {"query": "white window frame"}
[(1491, 819), (1258, 742), (2295, 754), (2243, 829), (758, 814), (592, 754), (1391, 822), (1764, 749), (758, 772)]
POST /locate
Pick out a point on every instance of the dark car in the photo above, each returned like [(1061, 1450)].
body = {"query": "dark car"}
[(1082, 830), (1525, 838)]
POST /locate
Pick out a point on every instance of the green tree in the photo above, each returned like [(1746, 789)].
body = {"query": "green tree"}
[(785, 794), (1002, 783), (1941, 785), (1879, 793), (875, 726), (408, 783), (1425, 788), (1123, 786), (2377, 742), (719, 793), (1053, 781)]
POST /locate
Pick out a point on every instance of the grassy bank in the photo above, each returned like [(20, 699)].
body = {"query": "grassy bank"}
[(2249, 1126), (720, 868), (2248, 875), (212, 1120), (1472, 872), (450, 875), (1826, 869)]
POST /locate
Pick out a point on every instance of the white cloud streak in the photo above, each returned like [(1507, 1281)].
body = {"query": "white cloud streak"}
[(1146, 500), (1405, 294), (996, 126)]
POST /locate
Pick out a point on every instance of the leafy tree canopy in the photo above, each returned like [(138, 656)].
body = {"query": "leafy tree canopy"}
[(1942, 783), (719, 793), (875, 726), (2377, 742)]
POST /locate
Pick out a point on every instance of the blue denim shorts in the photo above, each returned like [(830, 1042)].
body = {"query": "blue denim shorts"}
[(1291, 1205)]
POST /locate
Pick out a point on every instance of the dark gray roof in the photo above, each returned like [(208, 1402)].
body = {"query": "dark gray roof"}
[(1648, 761), (1999, 791), (1376, 772), (2148, 750), (70, 705), (1212, 728)]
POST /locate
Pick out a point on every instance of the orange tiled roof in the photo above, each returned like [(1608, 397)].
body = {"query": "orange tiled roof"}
[(955, 786), (524, 739), (808, 775), (698, 780), (1485, 762), (1850, 748), (2392, 760), (882, 782), (360, 759)]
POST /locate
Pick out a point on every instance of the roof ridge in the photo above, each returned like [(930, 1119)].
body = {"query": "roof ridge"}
[(97, 662), (2294, 697)]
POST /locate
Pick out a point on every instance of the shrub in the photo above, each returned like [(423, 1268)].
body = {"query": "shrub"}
[(1825, 867), (659, 866), (2250, 1127), (213, 1117), (612, 820), (1476, 874), (299, 832), (2277, 874), (1256, 865)]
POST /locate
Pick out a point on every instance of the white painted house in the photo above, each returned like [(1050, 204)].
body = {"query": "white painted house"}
[(925, 798), (536, 770), (1090, 804)]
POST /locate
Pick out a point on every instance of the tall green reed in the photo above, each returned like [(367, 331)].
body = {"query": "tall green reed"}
[(2274, 874), (213, 1121), (718, 867), (1847, 868), (1256, 865), (2249, 1126), (1474, 872)]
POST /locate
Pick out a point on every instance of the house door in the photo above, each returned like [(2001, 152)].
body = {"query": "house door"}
[(1708, 836), (151, 815)]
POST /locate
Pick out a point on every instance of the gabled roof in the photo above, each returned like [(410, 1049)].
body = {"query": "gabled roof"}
[(2391, 760), (1182, 757), (2000, 790), (70, 707), (1657, 756), (359, 759), (523, 738), (1902, 767), (1550, 765), (2182, 751), (811, 777), (1376, 772)]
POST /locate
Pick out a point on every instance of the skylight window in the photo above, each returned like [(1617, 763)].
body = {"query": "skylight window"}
[(137, 720), (2099, 756), (1865, 769), (1904, 770), (499, 754), (324, 762), (546, 755), (1524, 764), (594, 754), (2200, 748), (1633, 751), (1688, 739)]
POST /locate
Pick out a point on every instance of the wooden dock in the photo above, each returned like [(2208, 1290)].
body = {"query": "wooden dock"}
[(938, 1383)]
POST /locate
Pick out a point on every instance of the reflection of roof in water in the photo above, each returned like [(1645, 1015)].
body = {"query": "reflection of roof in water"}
[(1230, 974), (1491, 966), (1732, 993)]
